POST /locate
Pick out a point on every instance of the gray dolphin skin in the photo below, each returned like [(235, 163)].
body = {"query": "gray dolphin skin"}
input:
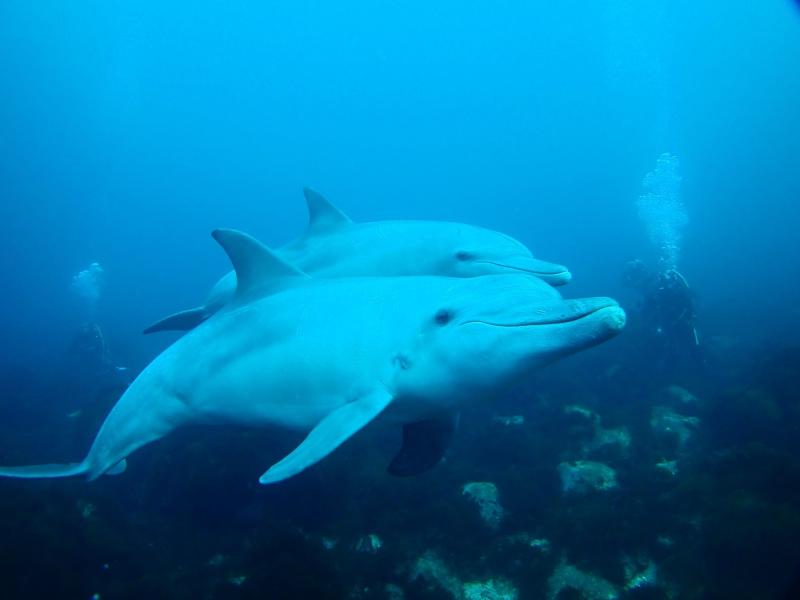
[(329, 356), (334, 246)]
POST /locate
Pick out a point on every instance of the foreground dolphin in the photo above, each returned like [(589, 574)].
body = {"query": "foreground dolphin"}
[(328, 356), (334, 246)]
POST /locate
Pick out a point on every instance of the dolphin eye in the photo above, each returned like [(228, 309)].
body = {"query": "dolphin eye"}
[(443, 317), (463, 255)]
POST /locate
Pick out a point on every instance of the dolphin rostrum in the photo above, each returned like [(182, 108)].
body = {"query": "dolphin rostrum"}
[(334, 246), (329, 356)]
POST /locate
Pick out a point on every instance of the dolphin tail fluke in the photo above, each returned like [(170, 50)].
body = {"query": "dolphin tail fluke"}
[(180, 321), (55, 471), (44, 471)]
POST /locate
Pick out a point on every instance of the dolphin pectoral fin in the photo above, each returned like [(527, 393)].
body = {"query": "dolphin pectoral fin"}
[(180, 321), (329, 434), (44, 471), (323, 217), (424, 445)]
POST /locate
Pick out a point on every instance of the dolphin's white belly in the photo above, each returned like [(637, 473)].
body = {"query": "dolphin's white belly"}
[(267, 388), (290, 379)]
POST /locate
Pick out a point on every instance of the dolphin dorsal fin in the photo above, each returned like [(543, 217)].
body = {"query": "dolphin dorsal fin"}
[(258, 269), (323, 217)]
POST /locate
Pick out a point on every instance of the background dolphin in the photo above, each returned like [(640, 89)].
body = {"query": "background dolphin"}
[(334, 246), (328, 356)]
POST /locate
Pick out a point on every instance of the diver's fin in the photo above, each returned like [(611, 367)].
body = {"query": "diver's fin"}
[(329, 434), (180, 321), (44, 471), (323, 217), (424, 445), (258, 269)]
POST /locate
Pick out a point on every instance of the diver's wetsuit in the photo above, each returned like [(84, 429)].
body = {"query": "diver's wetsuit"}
[(672, 307), (89, 366), (667, 318)]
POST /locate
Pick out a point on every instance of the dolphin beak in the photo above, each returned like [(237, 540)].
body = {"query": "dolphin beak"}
[(566, 311), (579, 324), (556, 328), (584, 323), (551, 273)]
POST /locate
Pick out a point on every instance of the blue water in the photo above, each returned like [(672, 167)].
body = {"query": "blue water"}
[(129, 131)]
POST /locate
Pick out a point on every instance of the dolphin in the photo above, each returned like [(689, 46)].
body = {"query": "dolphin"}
[(334, 246), (329, 356)]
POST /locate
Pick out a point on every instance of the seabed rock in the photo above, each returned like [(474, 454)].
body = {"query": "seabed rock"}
[(486, 496), (493, 589), (432, 569), (589, 586), (584, 476), (217, 560), (640, 573), (682, 395), (330, 543), (665, 421), (511, 421), (87, 509), (540, 545), (665, 541), (604, 438), (582, 411), (670, 467), (394, 592), (368, 544)]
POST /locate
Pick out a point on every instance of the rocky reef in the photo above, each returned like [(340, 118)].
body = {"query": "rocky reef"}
[(608, 487)]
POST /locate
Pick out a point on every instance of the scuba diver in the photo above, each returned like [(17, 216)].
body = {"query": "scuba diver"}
[(674, 306), (88, 367), (90, 351), (666, 313), (88, 360), (90, 383)]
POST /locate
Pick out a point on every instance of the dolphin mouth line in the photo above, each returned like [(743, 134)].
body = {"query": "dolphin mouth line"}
[(522, 269), (555, 321)]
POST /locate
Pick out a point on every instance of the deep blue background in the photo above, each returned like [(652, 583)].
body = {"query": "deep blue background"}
[(129, 130)]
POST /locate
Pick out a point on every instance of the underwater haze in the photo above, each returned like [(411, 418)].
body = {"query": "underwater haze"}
[(650, 147)]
